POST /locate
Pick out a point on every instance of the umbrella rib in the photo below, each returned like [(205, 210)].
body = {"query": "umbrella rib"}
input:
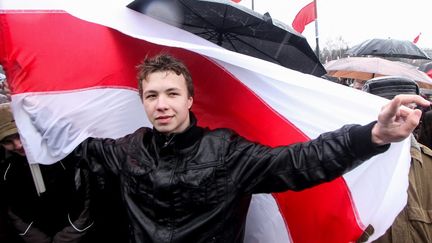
[(197, 15), (232, 36), (231, 29), (228, 30), (208, 34)]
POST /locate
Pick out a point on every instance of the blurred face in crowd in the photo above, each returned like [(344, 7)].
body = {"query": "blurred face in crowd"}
[(358, 84), (167, 101), (13, 144)]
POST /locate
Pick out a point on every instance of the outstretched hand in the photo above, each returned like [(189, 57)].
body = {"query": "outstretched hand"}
[(397, 121)]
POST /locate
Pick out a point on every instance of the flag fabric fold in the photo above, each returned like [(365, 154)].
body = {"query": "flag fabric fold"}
[(305, 16), (73, 62)]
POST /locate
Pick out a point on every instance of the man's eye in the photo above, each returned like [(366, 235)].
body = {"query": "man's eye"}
[(173, 94), (152, 96)]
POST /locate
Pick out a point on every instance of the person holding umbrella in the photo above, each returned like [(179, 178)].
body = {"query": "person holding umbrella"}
[(185, 183)]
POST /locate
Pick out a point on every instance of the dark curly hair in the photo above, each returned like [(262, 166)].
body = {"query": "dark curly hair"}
[(163, 62)]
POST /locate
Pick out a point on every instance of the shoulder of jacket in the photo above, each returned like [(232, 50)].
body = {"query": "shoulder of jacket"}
[(425, 150), (138, 134), (223, 133)]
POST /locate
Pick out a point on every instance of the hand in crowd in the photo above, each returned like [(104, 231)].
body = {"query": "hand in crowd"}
[(397, 120)]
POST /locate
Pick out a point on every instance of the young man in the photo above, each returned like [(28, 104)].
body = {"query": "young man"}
[(60, 214), (184, 183)]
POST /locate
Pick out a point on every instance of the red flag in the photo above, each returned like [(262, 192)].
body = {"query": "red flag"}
[(417, 38), (305, 16), (236, 1)]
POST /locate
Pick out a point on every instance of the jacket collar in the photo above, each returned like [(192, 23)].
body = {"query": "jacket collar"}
[(180, 140)]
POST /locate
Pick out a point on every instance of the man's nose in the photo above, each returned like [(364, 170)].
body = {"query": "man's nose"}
[(162, 103), (17, 144)]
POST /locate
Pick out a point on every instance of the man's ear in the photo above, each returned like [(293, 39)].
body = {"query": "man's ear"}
[(190, 102)]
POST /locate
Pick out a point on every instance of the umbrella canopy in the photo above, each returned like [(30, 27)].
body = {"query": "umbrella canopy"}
[(388, 48), (238, 29), (427, 68), (365, 68)]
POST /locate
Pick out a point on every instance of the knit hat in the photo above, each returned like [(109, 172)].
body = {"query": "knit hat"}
[(390, 86), (7, 122)]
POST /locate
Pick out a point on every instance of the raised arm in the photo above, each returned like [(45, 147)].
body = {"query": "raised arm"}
[(258, 168), (261, 169)]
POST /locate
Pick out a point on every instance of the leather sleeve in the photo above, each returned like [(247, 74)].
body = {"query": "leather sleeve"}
[(105, 154), (256, 168)]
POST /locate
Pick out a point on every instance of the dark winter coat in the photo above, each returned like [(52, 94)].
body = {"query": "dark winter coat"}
[(60, 214), (196, 186), (414, 223)]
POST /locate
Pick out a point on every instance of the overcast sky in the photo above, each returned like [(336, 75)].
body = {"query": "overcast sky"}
[(358, 20)]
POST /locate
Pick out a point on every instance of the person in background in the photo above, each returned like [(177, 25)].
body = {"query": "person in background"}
[(414, 223), (424, 133), (59, 214), (358, 84), (7, 233)]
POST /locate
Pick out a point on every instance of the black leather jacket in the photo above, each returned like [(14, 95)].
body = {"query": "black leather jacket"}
[(196, 186)]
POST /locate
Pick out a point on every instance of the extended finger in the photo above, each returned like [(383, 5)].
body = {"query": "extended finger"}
[(412, 99), (391, 110)]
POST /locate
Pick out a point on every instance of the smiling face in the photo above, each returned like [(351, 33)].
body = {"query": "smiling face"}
[(166, 101)]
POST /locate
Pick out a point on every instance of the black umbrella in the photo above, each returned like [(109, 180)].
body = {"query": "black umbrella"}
[(388, 48), (238, 29)]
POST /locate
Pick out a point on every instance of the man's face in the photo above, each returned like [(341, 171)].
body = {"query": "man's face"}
[(166, 101), (13, 144)]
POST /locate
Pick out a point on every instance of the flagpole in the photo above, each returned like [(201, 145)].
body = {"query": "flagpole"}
[(317, 50), (252, 4)]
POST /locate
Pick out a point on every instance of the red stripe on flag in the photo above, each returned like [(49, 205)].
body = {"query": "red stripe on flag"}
[(304, 17), (64, 50), (58, 52), (305, 209)]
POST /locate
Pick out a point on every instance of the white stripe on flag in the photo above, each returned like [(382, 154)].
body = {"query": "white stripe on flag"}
[(97, 112)]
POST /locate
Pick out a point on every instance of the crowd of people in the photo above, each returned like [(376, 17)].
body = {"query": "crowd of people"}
[(179, 182)]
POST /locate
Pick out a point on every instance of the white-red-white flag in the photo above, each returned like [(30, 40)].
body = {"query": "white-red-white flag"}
[(305, 16), (73, 62)]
